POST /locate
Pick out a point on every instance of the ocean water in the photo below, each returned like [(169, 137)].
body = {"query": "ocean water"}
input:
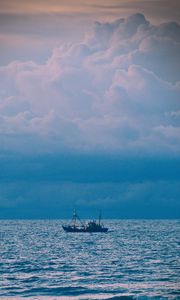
[(134, 260)]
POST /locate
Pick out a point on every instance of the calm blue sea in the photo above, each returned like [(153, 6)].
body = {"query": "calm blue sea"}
[(134, 260)]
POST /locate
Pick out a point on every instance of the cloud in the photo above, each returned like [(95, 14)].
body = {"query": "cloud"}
[(146, 199), (51, 186), (117, 91), (33, 28)]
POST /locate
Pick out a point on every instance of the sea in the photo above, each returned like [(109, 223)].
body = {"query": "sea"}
[(136, 259)]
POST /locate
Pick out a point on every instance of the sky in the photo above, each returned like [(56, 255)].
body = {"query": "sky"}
[(89, 108)]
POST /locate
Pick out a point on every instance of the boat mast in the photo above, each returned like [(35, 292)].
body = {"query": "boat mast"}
[(75, 218), (99, 218)]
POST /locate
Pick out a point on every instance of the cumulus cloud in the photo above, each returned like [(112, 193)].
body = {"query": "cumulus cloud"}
[(116, 91)]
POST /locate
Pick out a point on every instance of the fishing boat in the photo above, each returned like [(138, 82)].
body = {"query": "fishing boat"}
[(77, 225)]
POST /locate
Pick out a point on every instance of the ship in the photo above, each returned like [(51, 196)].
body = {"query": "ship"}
[(77, 225)]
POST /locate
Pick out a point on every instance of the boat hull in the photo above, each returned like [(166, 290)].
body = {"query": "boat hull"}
[(84, 230)]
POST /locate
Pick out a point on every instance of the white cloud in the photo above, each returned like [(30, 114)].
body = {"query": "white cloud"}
[(118, 91)]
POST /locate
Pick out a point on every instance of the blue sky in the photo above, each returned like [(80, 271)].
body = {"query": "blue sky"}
[(89, 108)]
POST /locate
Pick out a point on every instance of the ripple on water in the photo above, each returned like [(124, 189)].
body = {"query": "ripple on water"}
[(134, 260)]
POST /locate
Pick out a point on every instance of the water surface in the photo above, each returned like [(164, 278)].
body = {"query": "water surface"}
[(134, 260)]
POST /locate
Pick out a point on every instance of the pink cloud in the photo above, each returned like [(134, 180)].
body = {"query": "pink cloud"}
[(103, 94)]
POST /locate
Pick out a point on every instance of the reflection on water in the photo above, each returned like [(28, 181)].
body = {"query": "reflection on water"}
[(136, 259)]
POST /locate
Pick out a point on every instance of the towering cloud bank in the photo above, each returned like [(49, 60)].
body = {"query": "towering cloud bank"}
[(117, 91)]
